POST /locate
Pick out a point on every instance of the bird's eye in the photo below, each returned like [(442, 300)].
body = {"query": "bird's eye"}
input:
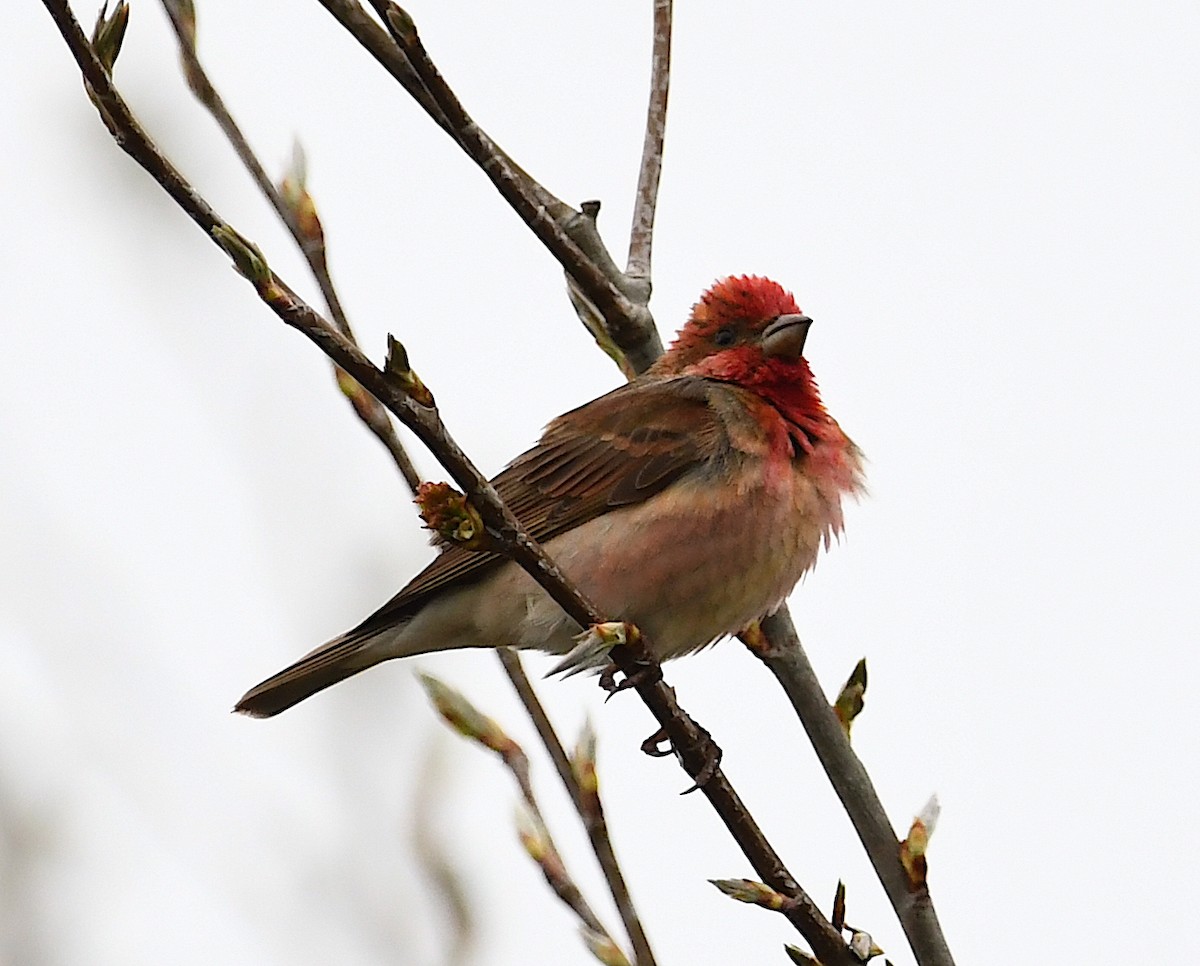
[(724, 337)]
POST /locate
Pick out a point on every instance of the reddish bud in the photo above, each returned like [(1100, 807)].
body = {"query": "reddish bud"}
[(451, 517)]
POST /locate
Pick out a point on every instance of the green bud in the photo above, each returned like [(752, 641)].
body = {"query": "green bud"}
[(247, 258)]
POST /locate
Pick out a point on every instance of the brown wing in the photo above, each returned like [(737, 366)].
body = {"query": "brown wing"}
[(616, 450)]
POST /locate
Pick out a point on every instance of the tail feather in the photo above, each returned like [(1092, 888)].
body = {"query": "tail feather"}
[(316, 671)]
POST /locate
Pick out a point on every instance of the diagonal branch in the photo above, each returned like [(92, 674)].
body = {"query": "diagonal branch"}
[(641, 235), (306, 231), (781, 651), (789, 665), (569, 235), (690, 743), (626, 320)]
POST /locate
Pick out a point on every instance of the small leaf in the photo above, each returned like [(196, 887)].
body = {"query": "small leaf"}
[(603, 948), (400, 372), (109, 33), (850, 699), (532, 833), (583, 760), (293, 188), (247, 258), (863, 946), (838, 918), (592, 646)]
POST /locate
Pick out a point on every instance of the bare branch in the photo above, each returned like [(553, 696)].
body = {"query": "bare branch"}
[(572, 239), (351, 15), (781, 651), (292, 211), (641, 235), (586, 802), (627, 321)]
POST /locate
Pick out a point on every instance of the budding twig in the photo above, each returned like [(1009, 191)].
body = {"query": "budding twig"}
[(912, 849), (535, 837), (296, 209), (586, 797)]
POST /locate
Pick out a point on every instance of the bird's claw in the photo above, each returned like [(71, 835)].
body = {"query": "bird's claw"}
[(652, 746), (647, 672), (712, 762)]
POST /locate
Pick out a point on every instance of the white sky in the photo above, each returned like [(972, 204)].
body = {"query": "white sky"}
[(991, 210)]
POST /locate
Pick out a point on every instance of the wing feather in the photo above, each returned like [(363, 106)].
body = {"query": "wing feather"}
[(617, 450)]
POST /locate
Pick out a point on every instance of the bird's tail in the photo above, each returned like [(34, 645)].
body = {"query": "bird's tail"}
[(316, 671)]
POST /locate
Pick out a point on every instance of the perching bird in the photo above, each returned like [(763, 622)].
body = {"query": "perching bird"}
[(689, 502)]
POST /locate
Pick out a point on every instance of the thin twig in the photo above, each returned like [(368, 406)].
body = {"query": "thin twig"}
[(781, 651), (588, 806), (511, 662), (465, 718), (641, 235), (462, 715), (691, 743), (311, 243)]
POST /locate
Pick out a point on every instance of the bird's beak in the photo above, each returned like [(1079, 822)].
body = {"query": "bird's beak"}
[(784, 338)]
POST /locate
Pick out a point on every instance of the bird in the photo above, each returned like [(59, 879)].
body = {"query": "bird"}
[(689, 502)]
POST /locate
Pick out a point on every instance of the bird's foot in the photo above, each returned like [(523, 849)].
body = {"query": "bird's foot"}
[(653, 746), (647, 673)]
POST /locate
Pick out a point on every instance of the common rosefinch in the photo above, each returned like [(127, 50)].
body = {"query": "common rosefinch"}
[(689, 502)]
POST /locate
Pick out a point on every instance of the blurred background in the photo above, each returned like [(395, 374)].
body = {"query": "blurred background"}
[(991, 211)]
